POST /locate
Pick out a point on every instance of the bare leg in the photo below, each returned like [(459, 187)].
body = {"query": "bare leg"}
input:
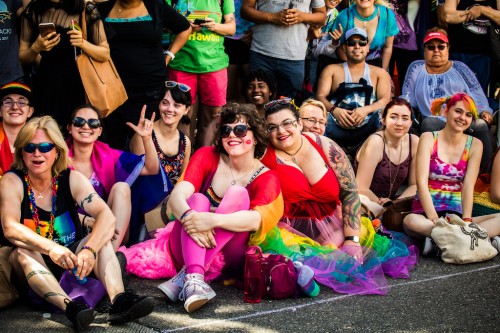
[(491, 223), (417, 225), (207, 116), (120, 204), (30, 264)]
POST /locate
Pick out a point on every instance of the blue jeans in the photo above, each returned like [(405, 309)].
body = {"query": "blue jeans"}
[(351, 137), (289, 74)]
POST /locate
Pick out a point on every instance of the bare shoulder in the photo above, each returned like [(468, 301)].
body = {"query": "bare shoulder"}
[(372, 148), (10, 182)]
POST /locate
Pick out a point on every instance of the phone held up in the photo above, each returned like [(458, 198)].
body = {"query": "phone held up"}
[(46, 28), (199, 21)]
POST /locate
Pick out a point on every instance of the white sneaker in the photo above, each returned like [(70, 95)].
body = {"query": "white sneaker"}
[(495, 241), (173, 287), (195, 292), (431, 248)]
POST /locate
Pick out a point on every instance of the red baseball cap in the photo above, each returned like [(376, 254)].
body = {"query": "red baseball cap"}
[(435, 35)]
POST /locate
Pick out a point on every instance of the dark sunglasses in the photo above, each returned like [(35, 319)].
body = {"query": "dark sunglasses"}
[(92, 122), (239, 131), (430, 47), (281, 101), (43, 147), (354, 42), (172, 84)]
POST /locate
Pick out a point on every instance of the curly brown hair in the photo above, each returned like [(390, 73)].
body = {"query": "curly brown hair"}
[(234, 112)]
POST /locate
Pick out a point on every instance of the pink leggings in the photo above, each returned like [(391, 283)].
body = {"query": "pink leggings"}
[(186, 252)]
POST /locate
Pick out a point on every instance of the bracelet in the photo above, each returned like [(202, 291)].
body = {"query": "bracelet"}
[(91, 250), (185, 214), (467, 219), (170, 53), (83, 221)]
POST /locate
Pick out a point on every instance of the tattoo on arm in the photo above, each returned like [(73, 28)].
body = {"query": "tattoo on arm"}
[(349, 195), (229, 19), (33, 273), (88, 199), (52, 294)]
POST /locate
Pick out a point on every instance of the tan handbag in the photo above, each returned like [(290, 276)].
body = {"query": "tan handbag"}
[(101, 81), (462, 242)]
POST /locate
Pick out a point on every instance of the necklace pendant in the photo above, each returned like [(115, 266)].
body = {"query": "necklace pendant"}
[(294, 160), (233, 182), (40, 196)]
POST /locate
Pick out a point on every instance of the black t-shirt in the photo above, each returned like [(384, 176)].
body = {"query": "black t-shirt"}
[(10, 68)]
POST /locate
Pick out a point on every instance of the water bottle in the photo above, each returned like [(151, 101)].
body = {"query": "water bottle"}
[(253, 276), (80, 281)]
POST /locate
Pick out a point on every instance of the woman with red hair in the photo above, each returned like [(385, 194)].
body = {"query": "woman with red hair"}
[(448, 163)]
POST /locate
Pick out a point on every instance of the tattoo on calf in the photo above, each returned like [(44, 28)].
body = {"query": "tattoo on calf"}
[(88, 199), (33, 273), (52, 294)]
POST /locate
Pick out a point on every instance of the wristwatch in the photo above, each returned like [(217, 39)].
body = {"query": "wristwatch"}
[(355, 239)]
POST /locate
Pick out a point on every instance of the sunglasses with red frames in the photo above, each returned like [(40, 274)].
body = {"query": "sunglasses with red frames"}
[(239, 131), (92, 122), (43, 147), (430, 47)]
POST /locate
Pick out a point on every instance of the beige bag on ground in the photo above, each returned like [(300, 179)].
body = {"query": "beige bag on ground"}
[(8, 294), (462, 242)]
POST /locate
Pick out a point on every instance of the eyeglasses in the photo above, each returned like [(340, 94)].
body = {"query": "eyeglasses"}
[(43, 147), (354, 42), (239, 131), (287, 124), (432, 47), (172, 84), (282, 101), (312, 121), (10, 103), (92, 122)]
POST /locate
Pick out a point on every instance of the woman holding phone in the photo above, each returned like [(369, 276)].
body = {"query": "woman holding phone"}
[(51, 37)]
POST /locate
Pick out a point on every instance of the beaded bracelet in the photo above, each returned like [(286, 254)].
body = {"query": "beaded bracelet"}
[(91, 250), (185, 214)]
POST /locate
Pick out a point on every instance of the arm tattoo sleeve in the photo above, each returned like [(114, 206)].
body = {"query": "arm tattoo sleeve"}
[(32, 273), (52, 294), (349, 195), (88, 199)]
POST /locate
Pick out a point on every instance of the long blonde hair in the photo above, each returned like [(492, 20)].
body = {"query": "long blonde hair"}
[(51, 129)]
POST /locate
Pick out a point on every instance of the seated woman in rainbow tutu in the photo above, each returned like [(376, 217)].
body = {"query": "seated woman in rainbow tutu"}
[(322, 225)]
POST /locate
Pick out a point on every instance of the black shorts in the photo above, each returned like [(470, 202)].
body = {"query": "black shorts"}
[(238, 51)]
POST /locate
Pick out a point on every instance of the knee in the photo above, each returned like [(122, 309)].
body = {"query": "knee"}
[(22, 256), (236, 191), (199, 202), (120, 190)]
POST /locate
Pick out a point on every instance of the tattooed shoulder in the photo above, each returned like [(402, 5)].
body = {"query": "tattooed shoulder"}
[(341, 166), (88, 199)]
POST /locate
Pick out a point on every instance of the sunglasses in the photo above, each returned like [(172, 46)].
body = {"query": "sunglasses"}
[(172, 84), (43, 147), (354, 42), (432, 47), (281, 101), (80, 122), (239, 131)]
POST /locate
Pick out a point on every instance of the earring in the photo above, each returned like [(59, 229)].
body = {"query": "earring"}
[(255, 143)]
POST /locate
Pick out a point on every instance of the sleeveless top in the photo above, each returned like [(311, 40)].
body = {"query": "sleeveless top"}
[(445, 181), (67, 226), (172, 164), (381, 181)]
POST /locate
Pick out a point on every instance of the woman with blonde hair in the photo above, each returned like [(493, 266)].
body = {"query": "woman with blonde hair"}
[(39, 199), (448, 164)]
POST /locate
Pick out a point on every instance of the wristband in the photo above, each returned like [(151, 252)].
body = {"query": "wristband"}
[(83, 222), (467, 219), (332, 109), (185, 214), (91, 250), (170, 53)]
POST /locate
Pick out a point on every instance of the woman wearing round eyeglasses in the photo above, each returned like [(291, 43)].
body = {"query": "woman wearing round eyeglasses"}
[(110, 171), (313, 116), (39, 200), (226, 200), (321, 223), (437, 76)]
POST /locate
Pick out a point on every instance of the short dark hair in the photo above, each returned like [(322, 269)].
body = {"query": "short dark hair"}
[(234, 112), (260, 75), (397, 101), (180, 97), (273, 107)]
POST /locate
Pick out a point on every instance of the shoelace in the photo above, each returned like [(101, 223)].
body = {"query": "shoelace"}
[(194, 284)]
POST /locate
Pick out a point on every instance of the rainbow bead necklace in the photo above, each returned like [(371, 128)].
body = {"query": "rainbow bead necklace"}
[(34, 208)]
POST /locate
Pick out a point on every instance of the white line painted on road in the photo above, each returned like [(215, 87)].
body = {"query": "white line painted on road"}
[(327, 300)]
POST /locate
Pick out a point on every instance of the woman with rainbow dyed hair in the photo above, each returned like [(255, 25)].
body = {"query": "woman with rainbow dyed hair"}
[(448, 163)]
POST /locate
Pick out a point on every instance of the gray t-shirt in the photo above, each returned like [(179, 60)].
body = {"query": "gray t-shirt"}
[(279, 41), (10, 67)]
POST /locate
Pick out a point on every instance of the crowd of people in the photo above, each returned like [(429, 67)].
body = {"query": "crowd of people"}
[(278, 124)]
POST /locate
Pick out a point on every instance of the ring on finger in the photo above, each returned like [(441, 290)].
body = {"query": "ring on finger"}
[(63, 263)]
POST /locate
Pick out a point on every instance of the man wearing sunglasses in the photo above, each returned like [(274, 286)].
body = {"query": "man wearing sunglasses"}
[(437, 76), (353, 92), (15, 109)]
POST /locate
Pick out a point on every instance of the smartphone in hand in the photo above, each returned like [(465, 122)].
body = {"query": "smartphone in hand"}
[(46, 28), (199, 21)]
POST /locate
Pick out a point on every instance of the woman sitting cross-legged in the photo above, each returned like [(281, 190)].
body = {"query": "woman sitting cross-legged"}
[(386, 161), (225, 200), (46, 231), (448, 166), (322, 225), (110, 171)]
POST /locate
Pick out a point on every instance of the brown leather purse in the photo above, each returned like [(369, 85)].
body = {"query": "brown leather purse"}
[(394, 212), (103, 86)]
